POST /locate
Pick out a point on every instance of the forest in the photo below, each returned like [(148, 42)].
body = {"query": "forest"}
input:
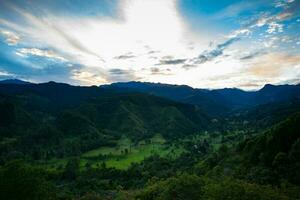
[(148, 141)]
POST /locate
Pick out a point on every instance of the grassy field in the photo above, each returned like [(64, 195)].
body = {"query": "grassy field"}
[(124, 154), (118, 158)]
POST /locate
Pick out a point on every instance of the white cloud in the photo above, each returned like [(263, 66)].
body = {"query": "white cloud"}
[(11, 38), (283, 3), (240, 32), (100, 44), (95, 42), (5, 73), (274, 27), (87, 78), (39, 52)]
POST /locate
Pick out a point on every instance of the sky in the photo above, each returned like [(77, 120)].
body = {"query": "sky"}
[(201, 43)]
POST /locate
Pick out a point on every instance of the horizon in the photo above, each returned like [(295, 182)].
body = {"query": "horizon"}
[(232, 44), (144, 82)]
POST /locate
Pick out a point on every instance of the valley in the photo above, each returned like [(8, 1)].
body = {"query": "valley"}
[(125, 143)]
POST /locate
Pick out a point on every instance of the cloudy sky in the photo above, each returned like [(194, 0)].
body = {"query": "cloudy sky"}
[(201, 43)]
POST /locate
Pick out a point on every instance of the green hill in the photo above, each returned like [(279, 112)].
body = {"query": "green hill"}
[(32, 124)]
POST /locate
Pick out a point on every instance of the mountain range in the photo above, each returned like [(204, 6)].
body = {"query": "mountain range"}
[(154, 137)]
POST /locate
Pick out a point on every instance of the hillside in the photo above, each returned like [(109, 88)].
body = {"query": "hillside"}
[(219, 101), (37, 119), (268, 158), (76, 142)]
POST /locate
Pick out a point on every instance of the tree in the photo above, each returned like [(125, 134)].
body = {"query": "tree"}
[(184, 186), (72, 169), (126, 151), (294, 153), (232, 189), (280, 162), (7, 111), (20, 181)]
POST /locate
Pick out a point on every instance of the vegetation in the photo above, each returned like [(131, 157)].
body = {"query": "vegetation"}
[(64, 142)]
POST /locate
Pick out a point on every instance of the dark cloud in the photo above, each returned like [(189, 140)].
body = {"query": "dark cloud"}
[(120, 75), (118, 71), (152, 52), (125, 56), (214, 53), (188, 66), (252, 55), (157, 71), (154, 70), (171, 61)]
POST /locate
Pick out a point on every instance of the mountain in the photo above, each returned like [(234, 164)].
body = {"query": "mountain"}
[(63, 120), (267, 158), (206, 100), (142, 141), (219, 102), (55, 96), (142, 115), (14, 81)]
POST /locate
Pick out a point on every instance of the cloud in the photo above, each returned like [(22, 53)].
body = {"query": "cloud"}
[(214, 53), (121, 75), (252, 55), (125, 56), (99, 42), (152, 52), (133, 43), (274, 27), (157, 71), (290, 9), (282, 3), (275, 65), (235, 9), (87, 78), (239, 32), (5, 74), (39, 52), (189, 66), (171, 61), (11, 38)]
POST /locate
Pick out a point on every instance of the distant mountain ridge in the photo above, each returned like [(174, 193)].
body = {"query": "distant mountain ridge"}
[(14, 81), (216, 101)]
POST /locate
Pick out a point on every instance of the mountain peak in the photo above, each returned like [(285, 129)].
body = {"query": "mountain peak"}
[(268, 85)]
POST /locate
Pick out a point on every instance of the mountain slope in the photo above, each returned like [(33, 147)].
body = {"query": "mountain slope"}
[(140, 115), (228, 102), (268, 158), (54, 119), (14, 81)]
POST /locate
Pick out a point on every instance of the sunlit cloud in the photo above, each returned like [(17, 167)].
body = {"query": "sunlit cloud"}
[(153, 40), (87, 78), (275, 65), (11, 38), (39, 52)]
